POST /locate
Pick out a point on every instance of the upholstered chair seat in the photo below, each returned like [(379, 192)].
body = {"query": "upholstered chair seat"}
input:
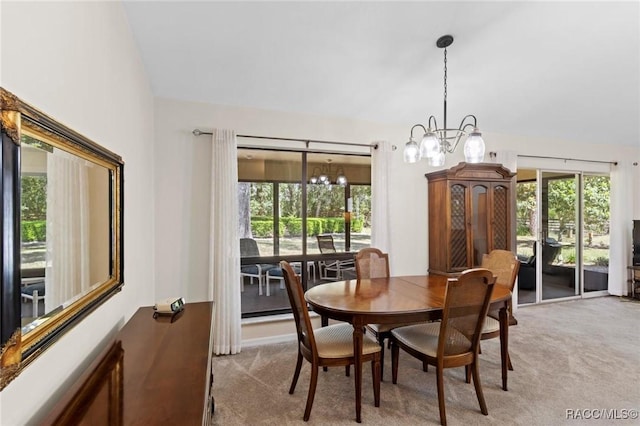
[(491, 325), (424, 338), (336, 341)]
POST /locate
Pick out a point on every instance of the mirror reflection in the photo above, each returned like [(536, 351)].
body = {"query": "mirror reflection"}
[(65, 229)]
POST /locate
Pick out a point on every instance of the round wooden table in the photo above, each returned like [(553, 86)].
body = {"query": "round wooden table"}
[(393, 300)]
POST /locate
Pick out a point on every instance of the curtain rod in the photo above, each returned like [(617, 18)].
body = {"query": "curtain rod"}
[(198, 132), (615, 163)]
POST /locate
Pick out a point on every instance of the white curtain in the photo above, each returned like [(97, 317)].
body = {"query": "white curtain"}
[(67, 256), (380, 205), (621, 227), (224, 270)]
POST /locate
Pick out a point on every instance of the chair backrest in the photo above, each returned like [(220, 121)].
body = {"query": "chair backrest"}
[(372, 263), (295, 292), (465, 308), (504, 265), (325, 243), (249, 247)]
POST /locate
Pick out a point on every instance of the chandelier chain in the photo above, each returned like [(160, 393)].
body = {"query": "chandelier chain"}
[(445, 74)]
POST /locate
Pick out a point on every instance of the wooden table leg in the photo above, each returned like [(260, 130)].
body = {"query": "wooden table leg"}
[(357, 358), (504, 344)]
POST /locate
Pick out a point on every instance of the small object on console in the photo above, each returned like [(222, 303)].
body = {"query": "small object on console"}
[(170, 306)]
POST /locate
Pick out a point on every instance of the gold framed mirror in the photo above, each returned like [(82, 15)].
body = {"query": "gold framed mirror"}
[(62, 252)]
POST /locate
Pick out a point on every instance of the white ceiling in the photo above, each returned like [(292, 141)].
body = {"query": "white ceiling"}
[(568, 70)]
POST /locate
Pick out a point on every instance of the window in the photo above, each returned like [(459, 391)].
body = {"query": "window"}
[(283, 213)]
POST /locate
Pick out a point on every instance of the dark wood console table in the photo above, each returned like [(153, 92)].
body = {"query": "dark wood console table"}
[(634, 279), (154, 373)]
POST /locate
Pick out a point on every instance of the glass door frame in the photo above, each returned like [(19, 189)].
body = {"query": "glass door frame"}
[(543, 237), (539, 166)]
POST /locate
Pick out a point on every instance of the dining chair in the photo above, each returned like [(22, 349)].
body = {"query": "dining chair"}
[(338, 267), (326, 346), (454, 341), (504, 265), (249, 248), (373, 263)]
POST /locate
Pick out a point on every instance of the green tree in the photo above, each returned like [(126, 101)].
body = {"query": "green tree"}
[(262, 199), (244, 211), (325, 200), (526, 208), (290, 200), (597, 191), (561, 195), (34, 197), (361, 196)]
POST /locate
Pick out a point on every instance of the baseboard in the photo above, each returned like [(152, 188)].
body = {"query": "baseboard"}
[(283, 338)]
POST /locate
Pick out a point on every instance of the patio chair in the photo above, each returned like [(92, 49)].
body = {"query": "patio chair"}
[(337, 267), (452, 342), (249, 248), (32, 287), (527, 273), (276, 273)]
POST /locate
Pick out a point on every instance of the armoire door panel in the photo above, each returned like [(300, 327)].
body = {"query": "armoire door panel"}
[(458, 236), (501, 217), (479, 222)]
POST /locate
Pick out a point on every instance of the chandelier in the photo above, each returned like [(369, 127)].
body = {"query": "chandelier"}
[(322, 176), (436, 142)]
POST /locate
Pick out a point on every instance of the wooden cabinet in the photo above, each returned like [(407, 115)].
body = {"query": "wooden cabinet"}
[(470, 213), (156, 372)]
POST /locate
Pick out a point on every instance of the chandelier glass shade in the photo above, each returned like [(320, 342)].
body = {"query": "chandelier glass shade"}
[(436, 142), (322, 175)]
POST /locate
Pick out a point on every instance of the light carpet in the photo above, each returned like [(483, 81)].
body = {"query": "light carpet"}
[(581, 355)]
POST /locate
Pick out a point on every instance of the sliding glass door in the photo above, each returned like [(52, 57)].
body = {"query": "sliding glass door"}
[(562, 234), (557, 239), (595, 240)]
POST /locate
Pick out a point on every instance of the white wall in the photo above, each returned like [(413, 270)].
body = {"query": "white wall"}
[(183, 189), (77, 62), (183, 173)]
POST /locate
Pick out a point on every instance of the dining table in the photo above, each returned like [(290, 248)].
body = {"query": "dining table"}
[(394, 300)]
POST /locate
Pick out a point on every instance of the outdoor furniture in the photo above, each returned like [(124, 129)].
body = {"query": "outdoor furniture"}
[(32, 287), (453, 341), (327, 346), (276, 273), (527, 273), (249, 248), (337, 267)]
